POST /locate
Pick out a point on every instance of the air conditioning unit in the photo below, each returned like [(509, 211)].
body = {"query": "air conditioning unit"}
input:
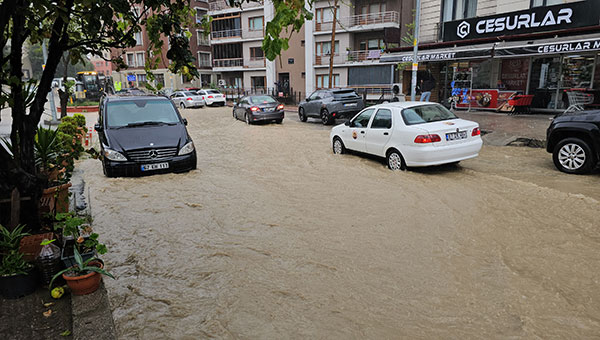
[(221, 82), (397, 94)]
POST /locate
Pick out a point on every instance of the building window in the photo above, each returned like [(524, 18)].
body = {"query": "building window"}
[(106, 63), (373, 8), (458, 9), (205, 80), (323, 80), (371, 44), (255, 24), (200, 13), (538, 3), (202, 38), (324, 48), (326, 14), (130, 59), (159, 79), (138, 38), (256, 53), (257, 82), (204, 59), (140, 59)]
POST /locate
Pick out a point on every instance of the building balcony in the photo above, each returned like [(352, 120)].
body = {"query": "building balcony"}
[(222, 5), (350, 58), (361, 22), (234, 35), (238, 64)]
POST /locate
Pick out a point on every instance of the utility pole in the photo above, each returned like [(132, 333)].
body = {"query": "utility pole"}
[(54, 121), (415, 63), (332, 48)]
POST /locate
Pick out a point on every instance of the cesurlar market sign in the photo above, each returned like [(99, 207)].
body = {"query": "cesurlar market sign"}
[(538, 19)]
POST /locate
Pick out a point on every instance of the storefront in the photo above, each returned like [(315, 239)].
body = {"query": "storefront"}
[(545, 52)]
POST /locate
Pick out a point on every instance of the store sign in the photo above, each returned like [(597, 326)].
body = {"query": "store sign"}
[(424, 56), (537, 19), (551, 48)]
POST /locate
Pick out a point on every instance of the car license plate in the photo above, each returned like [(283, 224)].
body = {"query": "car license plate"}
[(350, 104), (456, 135), (157, 166), (269, 109)]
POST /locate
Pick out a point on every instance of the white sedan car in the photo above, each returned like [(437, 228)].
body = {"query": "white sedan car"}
[(212, 97), (409, 134)]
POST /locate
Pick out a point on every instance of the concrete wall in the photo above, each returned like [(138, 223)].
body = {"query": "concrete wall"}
[(296, 51)]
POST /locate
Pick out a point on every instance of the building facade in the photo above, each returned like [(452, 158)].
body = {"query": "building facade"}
[(102, 65), (482, 52)]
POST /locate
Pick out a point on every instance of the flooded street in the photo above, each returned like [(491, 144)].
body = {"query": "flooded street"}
[(274, 237)]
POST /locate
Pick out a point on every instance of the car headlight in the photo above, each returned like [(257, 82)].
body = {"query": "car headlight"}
[(186, 149), (114, 155)]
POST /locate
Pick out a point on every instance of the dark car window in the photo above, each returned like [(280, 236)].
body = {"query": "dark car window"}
[(362, 120), (382, 120), (262, 100), (426, 114), (315, 95), (345, 94), (201, 93), (122, 113), (213, 92), (189, 94)]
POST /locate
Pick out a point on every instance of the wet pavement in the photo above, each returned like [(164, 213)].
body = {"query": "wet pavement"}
[(275, 237)]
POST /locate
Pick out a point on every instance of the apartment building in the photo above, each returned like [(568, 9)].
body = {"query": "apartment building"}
[(489, 50), (101, 64), (135, 58)]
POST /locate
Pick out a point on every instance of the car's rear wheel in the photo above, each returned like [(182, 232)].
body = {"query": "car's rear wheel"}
[(182, 105), (301, 115), (573, 156), (279, 121), (395, 161), (338, 146), (326, 117)]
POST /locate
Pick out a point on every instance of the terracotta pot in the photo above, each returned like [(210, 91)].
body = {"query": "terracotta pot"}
[(85, 284)]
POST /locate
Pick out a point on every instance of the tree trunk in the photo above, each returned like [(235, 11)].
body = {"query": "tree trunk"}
[(64, 95)]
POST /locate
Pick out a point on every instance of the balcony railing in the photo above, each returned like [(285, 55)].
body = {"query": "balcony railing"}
[(233, 33), (391, 17), (349, 57), (219, 5), (240, 62)]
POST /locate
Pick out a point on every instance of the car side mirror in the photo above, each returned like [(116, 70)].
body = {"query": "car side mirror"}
[(184, 121), (98, 127), (347, 123), (307, 99)]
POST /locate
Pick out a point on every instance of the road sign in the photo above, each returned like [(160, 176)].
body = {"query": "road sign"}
[(131, 77)]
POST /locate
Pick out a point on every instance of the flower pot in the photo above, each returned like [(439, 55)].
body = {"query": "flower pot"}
[(56, 199), (84, 284), (16, 286), (67, 256)]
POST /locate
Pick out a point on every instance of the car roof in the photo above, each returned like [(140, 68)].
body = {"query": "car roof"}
[(402, 105), (128, 97)]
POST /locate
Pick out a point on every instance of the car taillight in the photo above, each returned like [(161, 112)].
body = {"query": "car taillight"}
[(211, 97), (254, 108), (422, 139), (189, 98), (202, 97), (476, 132), (280, 107)]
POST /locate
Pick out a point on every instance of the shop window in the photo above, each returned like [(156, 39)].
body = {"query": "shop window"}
[(255, 24), (543, 83), (538, 3), (513, 74), (458, 9), (482, 74), (577, 72)]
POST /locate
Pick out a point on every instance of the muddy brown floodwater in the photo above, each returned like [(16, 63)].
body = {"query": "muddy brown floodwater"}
[(274, 237)]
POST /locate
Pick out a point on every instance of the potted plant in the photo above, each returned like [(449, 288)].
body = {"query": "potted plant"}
[(77, 235), (84, 277), (17, 277)]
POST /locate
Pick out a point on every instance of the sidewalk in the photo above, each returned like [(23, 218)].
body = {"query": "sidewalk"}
[(499, 128)]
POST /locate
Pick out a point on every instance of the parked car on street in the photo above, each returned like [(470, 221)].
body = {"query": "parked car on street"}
[(212, 97), (574, 140), (143, 135), (330, 104), (409, 134), (185, 99), (258, 108)]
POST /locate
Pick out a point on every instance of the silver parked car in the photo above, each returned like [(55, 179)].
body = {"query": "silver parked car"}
[(185, 99), (330, 104)]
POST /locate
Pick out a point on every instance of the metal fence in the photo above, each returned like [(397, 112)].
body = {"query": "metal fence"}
[(392, 17)]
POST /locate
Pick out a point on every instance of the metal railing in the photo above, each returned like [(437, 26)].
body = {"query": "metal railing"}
[(219, 5), (233, 33), (349, 57), (240, 62), (360, 20), (204, 63)]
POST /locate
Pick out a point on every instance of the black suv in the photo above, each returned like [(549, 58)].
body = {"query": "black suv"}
[(142, 135), (329, 104), (574, 141)]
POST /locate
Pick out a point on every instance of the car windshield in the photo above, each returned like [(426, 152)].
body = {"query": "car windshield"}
[(213, 92), (426, 114), (140, 112), (261, 100), (345, 94), (187, 93)]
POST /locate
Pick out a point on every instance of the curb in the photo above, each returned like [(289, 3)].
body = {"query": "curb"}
[(92, 318)]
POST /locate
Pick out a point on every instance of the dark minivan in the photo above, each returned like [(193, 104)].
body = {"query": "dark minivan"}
[(142, 135)]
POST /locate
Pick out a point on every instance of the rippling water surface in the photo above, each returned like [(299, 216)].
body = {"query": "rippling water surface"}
[(274, 237)]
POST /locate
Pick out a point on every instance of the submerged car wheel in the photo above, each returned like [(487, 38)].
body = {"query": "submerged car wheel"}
[(326, 118), (301, 115), (182, 105), (247, 118), (338, 146), (108, 172), (395, 161), (279, 121), (573, 156)]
